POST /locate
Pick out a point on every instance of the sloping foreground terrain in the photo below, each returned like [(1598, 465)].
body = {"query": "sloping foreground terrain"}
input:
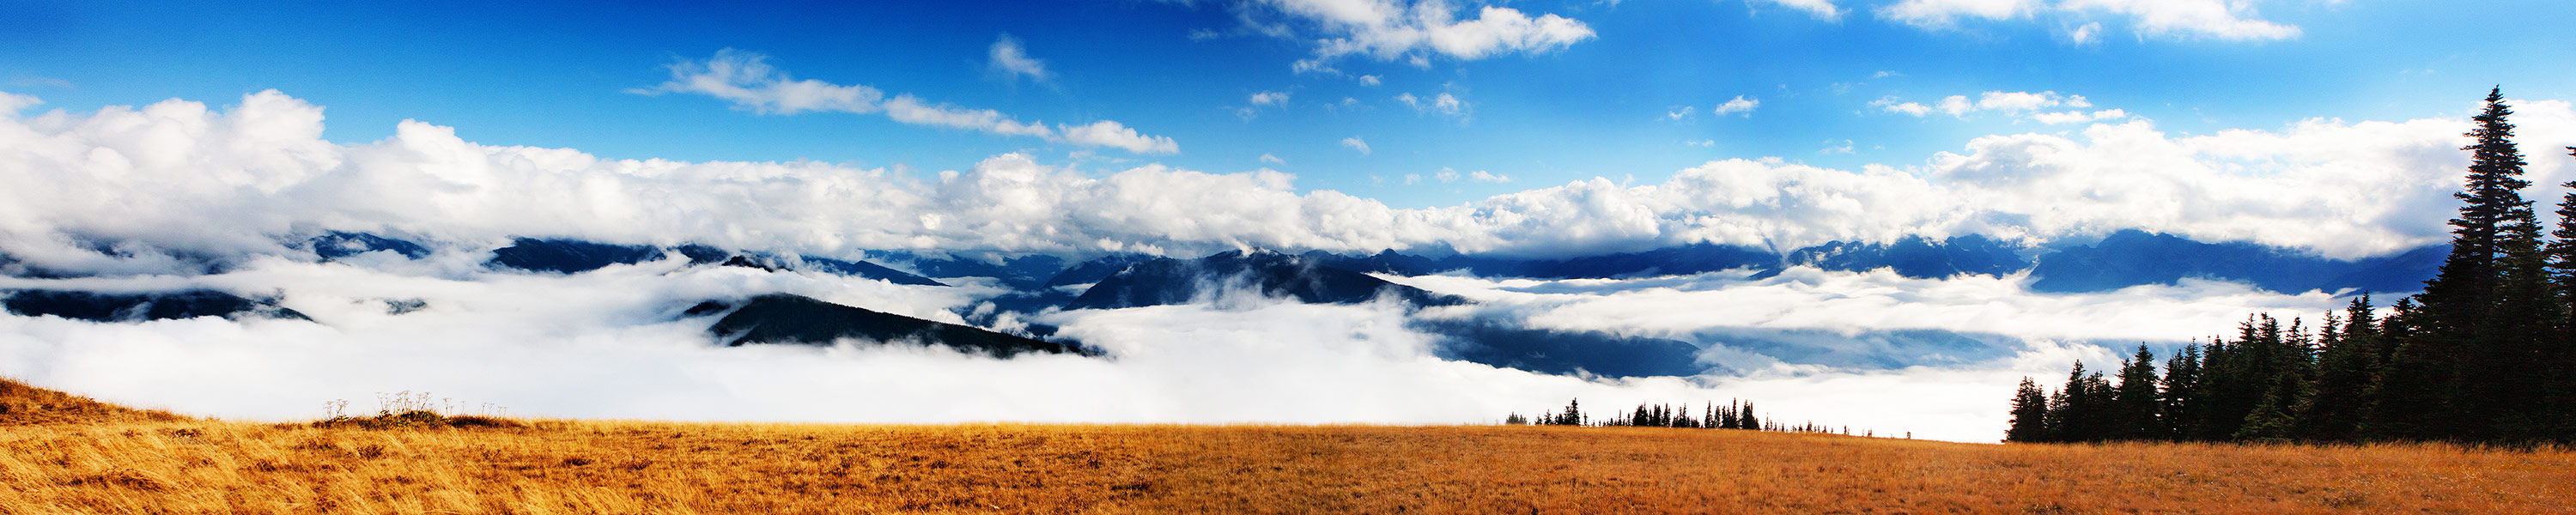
[(189, 466)]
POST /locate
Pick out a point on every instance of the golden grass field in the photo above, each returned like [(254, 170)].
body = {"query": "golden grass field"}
[(129, 463)]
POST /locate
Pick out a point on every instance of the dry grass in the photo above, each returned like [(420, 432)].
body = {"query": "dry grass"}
[(649, 467), (27, 405)]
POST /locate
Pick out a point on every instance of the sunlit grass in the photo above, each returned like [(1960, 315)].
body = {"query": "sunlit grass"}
[(653, 467)]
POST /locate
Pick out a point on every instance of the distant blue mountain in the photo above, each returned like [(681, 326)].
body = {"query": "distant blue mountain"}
[(2130, 258), (1093, 271), (1547, 351), (337, 245), (131, 307), (1916, 257), (865, 269), (1019, 273), (793, 319), (2127, 258), (576, 256), (1174, 281)]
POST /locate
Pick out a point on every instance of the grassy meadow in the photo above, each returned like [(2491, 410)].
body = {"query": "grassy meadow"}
[(125, 461)]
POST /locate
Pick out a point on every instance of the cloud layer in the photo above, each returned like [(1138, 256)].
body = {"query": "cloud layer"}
[(610, 344), (178, 178)]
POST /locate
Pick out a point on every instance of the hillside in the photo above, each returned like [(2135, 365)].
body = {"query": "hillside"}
[(23, 405), (648, 467)]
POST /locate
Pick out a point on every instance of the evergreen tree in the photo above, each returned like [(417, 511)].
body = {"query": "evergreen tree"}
[(2270, 421), (2344, 371), (2182, 393), (2029, 414), (2439, 384), (2135, 403)]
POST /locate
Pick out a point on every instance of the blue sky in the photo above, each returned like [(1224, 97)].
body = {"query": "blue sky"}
[(1600, 104)]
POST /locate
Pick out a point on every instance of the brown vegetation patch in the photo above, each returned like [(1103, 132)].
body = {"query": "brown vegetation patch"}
[(27, 405), (644, 467)]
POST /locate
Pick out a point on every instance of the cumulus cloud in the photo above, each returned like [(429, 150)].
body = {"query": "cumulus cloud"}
[(179, 178), (1484, 176), (1009, 60), (748, 81), (1406, 30), (2228, 20), (1737, 105), (1267, 158), (1107, 133), (1369, 80), (1679, 113), (1269, 98)]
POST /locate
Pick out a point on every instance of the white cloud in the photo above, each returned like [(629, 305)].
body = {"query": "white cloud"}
[(1267, 158), (1007, 59), (1410, 31), (1107, 133), (1821, 9), (2066, 117), (1702, 143), (179, 178), (1356, 144), (1484, 176), (1738, 105), (749, 82), (1679, 113), (1369, 80), (913, 110), (2230, 20), (2021, 104), (1269, 98), (2087, 33), (605, 344), (1446, 175), (1443, 104), (1899, 106)]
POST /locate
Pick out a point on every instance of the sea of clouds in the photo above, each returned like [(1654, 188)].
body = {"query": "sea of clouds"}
[(144, 199)]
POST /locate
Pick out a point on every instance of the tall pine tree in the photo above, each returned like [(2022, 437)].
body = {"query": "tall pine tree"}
[(2029, 414), (2435, 385)]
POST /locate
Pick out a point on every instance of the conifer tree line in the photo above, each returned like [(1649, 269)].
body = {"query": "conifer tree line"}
[(1736, 414), (2485, 354)]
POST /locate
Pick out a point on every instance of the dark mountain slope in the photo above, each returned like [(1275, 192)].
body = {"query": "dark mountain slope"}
[(569, 256), (1173, 281), (131, 307), (793, 319), (342, 245)]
